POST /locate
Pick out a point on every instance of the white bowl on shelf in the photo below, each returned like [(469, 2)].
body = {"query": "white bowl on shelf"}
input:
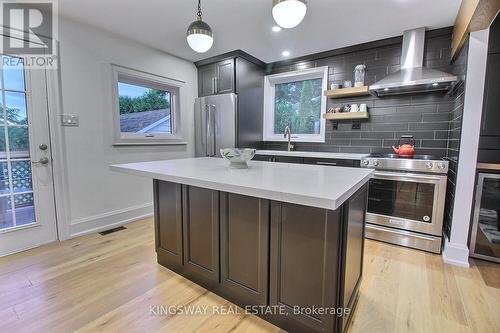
[(237, 157)]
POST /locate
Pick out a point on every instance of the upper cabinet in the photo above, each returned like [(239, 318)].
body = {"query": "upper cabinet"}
[(494, 38), (206, 80), (489, 140), (216, 78), (491, 113), (224, 81)]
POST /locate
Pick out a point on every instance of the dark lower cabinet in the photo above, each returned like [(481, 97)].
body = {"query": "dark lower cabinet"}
[(244, 229), (330, 162), (288, 159), (201, 235), (353, 244), (265, 158), (168, 224), (305, 256), (305, 260)]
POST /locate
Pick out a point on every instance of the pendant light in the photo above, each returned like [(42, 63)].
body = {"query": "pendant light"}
[(289, 13), (199, 34)]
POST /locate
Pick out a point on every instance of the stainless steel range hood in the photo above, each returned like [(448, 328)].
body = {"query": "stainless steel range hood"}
[(413, 77)]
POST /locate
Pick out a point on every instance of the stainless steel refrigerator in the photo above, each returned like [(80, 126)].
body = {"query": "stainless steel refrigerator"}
[(215, 124)]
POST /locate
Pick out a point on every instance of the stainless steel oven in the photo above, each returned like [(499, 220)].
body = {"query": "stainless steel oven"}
[(407, 208)]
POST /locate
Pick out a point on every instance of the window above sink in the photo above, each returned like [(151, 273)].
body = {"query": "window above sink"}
[(295, 99)]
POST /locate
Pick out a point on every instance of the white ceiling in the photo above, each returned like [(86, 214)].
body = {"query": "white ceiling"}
[(246, 24)]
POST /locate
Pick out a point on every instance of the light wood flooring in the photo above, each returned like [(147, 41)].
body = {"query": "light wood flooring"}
[(108, 283)]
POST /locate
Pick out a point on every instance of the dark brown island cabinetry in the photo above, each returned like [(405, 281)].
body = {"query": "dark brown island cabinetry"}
[(254, 251)]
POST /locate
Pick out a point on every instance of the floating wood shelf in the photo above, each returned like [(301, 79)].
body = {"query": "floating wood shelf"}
[(346, 115), (346, 92)]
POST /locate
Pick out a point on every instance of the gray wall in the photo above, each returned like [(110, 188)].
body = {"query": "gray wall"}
[(426, 116)]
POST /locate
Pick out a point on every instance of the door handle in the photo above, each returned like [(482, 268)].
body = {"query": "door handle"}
[(208, 129), (43, 160), (213, 132), (326, 163)]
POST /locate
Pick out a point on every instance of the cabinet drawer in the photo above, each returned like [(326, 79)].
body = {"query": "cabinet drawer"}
[(289, 159), (265, 158), (329, 162)]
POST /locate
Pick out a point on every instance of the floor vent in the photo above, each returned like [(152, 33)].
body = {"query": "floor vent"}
[(110, 231)]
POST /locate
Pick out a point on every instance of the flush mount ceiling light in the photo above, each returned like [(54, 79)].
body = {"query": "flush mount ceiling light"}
[(289, 13), (199, 34), (285, 53)]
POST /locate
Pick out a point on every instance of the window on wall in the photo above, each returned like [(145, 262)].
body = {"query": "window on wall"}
[(146, 108), (295, 99)]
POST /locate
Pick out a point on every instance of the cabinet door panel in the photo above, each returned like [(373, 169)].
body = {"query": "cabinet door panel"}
[(168, 223), (225, 76), (491, 109), (304, 262), (244, 248), (201, 235), (206, 80), (354, 236)]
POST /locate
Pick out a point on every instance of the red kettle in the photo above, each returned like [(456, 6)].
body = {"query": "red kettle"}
[(407, 148)]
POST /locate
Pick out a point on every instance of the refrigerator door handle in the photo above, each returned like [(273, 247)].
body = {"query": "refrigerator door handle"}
[(208, 129), (214, 142)]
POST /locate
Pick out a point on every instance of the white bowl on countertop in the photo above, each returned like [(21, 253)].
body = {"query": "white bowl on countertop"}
[(237, 157)]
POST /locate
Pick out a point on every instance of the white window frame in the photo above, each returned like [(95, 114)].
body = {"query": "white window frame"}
[(270, 82), (175, 87)]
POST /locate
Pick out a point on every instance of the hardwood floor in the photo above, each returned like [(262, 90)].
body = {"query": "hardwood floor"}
[(112, 283)]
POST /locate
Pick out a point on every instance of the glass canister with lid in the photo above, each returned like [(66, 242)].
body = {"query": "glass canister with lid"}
[(359, 75)]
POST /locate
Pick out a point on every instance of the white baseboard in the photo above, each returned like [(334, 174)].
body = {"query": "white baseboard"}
[(456, 254), (108, 220)]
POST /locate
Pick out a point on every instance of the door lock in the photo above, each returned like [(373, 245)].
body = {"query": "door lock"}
[(42, 146), (43, 160)]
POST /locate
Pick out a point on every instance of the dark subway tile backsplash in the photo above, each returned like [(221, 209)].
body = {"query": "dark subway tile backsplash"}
[(428, 117)]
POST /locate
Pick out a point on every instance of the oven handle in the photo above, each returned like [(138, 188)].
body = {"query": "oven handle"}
[(408, 177), (400, 232)]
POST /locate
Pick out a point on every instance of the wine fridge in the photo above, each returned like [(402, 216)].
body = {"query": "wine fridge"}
[(485, 237)]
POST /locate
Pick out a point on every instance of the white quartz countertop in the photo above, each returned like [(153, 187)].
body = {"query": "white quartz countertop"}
[(310, 185), (313, 154)]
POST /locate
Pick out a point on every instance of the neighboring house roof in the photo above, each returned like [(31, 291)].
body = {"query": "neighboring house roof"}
[(136, 122)]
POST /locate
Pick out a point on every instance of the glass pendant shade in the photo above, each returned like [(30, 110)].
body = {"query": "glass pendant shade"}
[(289, 13), (199, 36)]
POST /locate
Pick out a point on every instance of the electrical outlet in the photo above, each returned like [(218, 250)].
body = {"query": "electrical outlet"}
[(335, 125), (69, 120), (356, 125)]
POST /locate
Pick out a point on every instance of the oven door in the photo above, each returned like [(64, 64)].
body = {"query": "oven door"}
[(407, 201)]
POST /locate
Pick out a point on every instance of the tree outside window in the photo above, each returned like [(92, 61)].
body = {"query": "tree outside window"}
[(298, 105)]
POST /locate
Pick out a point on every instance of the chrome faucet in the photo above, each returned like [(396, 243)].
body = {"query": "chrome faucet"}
[(288, 134)]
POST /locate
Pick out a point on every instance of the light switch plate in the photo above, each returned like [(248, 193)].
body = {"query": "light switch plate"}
[(69, 120)]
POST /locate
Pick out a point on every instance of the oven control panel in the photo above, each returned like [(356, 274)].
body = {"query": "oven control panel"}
[(414, 164)]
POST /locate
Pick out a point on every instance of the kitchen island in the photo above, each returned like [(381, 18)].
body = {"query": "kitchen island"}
[(284, 238)]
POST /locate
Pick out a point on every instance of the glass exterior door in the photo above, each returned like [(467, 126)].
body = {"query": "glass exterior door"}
[(27, 208), (16, 185), (485, 240)]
